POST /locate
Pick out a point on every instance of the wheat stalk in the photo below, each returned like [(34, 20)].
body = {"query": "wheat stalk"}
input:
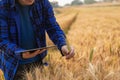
[(1, 75)]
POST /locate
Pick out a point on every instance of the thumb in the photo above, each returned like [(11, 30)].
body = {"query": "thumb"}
[(65, 50)]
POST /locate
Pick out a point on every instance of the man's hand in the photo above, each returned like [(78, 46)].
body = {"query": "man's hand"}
[(27, 55), (67, 53)]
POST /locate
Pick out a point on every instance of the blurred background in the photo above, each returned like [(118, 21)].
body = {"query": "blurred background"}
[(93, 28), (59, 3)]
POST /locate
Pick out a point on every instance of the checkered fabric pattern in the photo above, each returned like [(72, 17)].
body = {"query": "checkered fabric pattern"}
[(43, 20)]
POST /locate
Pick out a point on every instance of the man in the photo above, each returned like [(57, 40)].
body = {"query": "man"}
[(23, 24)]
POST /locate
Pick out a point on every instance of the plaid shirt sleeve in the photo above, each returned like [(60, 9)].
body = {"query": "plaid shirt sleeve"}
[(5, 44), (52, 27)]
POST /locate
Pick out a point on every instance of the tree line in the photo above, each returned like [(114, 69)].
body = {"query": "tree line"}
[(79, 2)]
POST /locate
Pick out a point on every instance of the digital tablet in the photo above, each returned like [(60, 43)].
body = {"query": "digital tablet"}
[(32, 50)]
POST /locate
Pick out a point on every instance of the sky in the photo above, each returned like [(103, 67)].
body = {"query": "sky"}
[(62, 2)]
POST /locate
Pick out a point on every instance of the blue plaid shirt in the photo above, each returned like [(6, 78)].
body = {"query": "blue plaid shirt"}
[(43, 20)]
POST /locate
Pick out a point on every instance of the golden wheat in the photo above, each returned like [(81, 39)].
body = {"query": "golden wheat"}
[(97, 29), (1, 75)]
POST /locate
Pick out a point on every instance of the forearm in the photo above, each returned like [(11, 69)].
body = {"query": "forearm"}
[(52, 27)]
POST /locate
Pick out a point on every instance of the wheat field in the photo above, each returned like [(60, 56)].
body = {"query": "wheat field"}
[(95, 34)]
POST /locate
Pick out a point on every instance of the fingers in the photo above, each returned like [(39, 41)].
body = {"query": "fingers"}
[(41, 51), (67, 53), (65, 50), (37, 52), (27, 55), (70, 54), (34, 54)]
